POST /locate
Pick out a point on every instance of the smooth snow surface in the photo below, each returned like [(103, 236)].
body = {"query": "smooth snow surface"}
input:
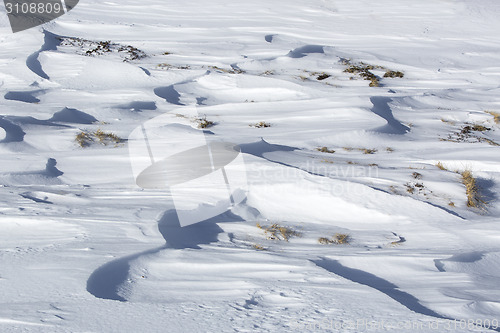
[(84, 249)]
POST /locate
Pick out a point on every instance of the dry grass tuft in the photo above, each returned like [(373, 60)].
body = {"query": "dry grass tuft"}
[(169, 66), (85, 139), (496, 116), (451, 122), (472, 190), (417, 175), (474, 128), (364, 150), (441, 166), (259, 247), (100, 48), (341, 238), (323, 76), (363, 70), (338, 238), (394, 74), (325, 241), (106, 137), (470, 133), (413, 187), (233, 70), (277, 232), (204, 122), (325, 150), (369, 151), (261, 124)]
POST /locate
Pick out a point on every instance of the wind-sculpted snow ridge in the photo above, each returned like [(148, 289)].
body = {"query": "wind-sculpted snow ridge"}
[(50, 44), (354, 122)]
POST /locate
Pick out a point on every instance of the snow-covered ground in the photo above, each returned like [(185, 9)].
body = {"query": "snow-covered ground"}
[(84, 249)]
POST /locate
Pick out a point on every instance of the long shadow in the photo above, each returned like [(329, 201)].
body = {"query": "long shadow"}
[(382, 109), (305, 50), (425, 202), (23, 96), (28, 120), (373, 281), (13, 132), (28, 196), (486, 186), (407, 300), (105, 282), (449, 211), (259, 148), (51, 42), (190, 237), (138, 106), (169, 94)]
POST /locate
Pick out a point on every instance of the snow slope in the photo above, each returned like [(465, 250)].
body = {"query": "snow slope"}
[(84, 249)]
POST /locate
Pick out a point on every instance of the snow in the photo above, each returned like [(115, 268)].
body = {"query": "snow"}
[(83, 248)]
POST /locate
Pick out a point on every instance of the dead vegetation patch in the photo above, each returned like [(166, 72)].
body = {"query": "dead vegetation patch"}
[(233, 70), (261, 124), (338, 238), (100, 48), (278, 232), (470, 133), (204, 122), (441, 166), (365, 71), (325, 150), (472, 190), (496, 116), (87, 138), (323, 76), (167, 66), (367, 151), (394, 74)]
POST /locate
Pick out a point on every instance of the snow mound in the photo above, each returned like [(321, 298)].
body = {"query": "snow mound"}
[(69, 115)]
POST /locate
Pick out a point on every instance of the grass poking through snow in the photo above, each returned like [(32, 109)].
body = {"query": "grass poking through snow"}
[(278, 232), (338, 238), (325, 150), (204, 122), (365, 71), (394, 74), (85, 139), (470, 133), (441, 166), (496, 116), (261, 124), (472, 190), (259, 247)]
